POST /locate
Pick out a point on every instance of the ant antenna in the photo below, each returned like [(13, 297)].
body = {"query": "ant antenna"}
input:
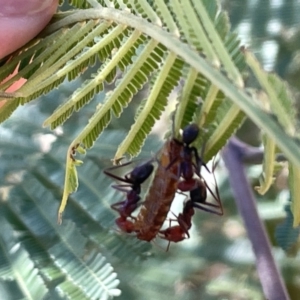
[(215, 163), (117, 161), (169, 244), (173, 119), (201, 155)]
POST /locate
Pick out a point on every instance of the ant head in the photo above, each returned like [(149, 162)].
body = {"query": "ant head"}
[(190, 133)]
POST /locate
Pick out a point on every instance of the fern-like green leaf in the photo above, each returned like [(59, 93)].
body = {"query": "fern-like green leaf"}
[(280, 100), (47, 75), (73, 248), (16, 263), (162, 85), (270, 167), (68, 256), (294, 177), (228, 119), (37, 53), (86, 92), (133, 79)]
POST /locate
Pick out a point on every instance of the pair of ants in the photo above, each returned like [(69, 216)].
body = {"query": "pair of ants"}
[(178, 164)]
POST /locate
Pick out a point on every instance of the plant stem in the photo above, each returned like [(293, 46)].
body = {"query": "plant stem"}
[(270, 278)]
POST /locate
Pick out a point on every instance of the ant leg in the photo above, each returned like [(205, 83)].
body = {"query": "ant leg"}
[(117, 167), (172, 163), (169, 243), (125, 179), (202, 207), (122, 187), (217, 195), (199, 162), (125, 209), (183, 194), (173, 119), (169, 166)]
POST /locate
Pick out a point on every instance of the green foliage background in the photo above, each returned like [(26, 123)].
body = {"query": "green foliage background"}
[(41, 260)]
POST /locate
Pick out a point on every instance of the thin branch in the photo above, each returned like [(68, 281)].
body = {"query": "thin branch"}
[(247, 154), (269, 275)]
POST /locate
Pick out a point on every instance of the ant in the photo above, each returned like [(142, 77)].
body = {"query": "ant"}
[(133, 181), (198, 197), (190, 161)]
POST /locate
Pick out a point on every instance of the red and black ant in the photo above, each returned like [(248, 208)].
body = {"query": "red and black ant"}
[(198, 197), (132, 188), (190, 161)]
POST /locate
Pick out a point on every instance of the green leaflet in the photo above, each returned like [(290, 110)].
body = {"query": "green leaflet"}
[(145, 10), (267, 177), (71, 185), (38, 52), (200, 100), (294, 178), (164, 13), (120, 96), (280, 100), (7, 109), (78, 3), (229, 118), (190, 98), (216, 41)]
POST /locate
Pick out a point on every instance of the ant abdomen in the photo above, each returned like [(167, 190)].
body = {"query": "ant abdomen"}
[(141, 173), (199, 194)]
